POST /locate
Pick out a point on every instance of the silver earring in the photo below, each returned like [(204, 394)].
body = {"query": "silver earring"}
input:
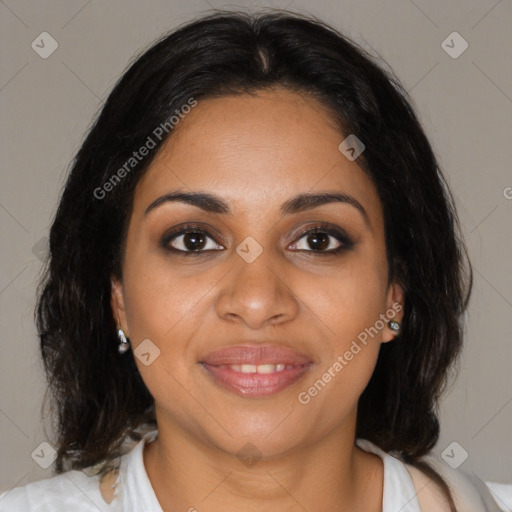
[(124, 344), (394, 326)]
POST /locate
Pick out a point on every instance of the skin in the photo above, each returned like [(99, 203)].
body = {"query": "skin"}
[(256, 152)]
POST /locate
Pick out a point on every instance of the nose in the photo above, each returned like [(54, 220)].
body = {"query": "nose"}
[(257, 294)]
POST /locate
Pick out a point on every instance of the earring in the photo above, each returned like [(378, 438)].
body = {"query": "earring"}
[(124, 344), (394, 326)]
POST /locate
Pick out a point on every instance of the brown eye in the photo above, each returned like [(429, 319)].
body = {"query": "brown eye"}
[(190, 239), (193, 241), (318, 241), (323, 239)]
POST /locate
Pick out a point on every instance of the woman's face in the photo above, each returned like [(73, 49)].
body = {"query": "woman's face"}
[(251, 278)]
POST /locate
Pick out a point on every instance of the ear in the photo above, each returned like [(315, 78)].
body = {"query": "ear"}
[(394, 310), (117, 303)]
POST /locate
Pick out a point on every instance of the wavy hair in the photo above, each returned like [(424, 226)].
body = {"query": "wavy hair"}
[(98, 398)]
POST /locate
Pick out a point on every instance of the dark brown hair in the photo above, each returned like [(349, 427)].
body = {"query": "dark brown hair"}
[(98, 396)]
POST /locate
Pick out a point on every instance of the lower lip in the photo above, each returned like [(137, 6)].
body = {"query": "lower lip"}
[(255, 384)]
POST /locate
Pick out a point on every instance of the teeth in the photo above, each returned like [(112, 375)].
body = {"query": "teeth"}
[(260, 368), (270, 368)]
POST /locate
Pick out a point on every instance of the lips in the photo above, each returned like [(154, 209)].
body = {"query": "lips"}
[(256, 355), (255, 370)]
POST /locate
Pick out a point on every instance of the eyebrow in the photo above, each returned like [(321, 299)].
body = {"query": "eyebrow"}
[(299, 203)]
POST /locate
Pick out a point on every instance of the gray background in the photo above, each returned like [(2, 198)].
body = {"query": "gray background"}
[(464, 103)]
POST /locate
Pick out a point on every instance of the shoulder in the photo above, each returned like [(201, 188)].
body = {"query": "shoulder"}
[(470, 494), (72, 490)]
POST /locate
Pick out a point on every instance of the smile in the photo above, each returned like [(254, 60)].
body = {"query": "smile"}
[(250, 380)]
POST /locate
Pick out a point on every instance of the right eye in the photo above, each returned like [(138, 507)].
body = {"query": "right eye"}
[(190, 240)]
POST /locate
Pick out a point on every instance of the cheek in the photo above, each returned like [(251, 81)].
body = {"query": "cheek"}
[(163, 306), (347, 308), (159, 297), (347, 301)]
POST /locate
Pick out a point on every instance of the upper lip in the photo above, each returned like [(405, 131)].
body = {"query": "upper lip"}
[(255, 354)]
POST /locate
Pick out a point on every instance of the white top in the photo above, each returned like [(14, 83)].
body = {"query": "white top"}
[(75, 491)]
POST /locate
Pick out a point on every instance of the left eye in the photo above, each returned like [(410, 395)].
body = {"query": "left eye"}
[(319, 241)]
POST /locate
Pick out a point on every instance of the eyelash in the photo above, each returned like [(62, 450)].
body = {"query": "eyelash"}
[(339, 235)]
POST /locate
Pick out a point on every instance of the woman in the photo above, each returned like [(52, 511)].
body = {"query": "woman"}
[(255, 286)]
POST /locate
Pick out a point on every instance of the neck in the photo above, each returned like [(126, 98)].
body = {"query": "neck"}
[(333, 474)]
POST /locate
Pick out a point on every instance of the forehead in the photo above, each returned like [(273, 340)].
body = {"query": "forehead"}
[(253, 148)]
